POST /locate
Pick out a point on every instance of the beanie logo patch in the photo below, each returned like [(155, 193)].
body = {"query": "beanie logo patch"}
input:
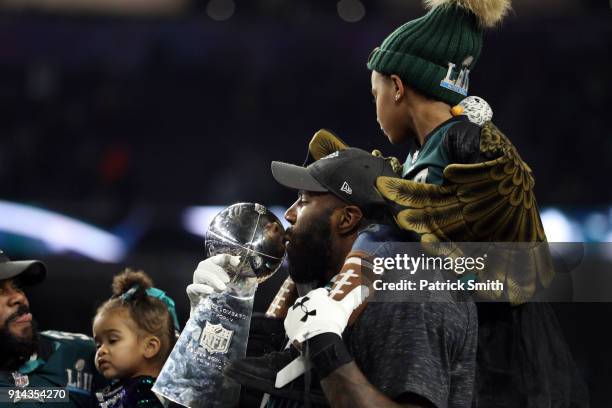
[(457, 82)]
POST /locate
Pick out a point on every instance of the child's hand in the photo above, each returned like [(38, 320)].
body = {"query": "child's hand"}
[(210, 276)]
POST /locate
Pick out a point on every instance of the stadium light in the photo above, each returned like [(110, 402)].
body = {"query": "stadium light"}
[(60, 233)]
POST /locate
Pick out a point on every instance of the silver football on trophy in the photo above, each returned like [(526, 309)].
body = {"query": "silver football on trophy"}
[(252, 232)]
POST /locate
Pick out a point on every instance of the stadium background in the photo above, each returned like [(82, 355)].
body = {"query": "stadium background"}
[(123, 121)]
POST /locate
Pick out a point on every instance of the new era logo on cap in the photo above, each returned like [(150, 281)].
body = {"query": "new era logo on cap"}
[(346, 188), (331, 155)]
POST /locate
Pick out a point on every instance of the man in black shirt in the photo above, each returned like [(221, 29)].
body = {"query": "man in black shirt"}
[(417, 352)]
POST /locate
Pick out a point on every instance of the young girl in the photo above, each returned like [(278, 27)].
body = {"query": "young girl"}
[(134, 332)]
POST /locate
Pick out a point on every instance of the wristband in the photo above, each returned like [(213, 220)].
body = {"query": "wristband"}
[(327, 353)]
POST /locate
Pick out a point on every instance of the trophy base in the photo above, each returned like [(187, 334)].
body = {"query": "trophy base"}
[(216, 333)]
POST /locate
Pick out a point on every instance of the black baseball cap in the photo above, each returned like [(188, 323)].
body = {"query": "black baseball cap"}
[(350, 174), (30, 272)]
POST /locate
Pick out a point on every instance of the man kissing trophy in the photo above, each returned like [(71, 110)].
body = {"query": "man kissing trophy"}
[(218, 329)]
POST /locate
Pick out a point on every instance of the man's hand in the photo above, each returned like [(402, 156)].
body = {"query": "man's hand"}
[(317, 313), (210, 276), (318, 320)]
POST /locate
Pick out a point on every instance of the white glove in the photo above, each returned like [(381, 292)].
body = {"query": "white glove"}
[(210, 276), (317, 313)]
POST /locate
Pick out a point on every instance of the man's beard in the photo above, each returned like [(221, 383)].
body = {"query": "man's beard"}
[(14, 351), (310, 251)]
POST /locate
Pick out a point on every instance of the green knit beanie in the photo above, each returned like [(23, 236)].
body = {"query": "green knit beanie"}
[(435, 53)]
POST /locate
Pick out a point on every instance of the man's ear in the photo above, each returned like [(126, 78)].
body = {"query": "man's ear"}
[(349, 219), (151, 346), (398, 87)]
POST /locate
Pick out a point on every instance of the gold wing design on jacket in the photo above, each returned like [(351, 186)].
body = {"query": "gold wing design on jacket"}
[(324, 143), (488, 202)]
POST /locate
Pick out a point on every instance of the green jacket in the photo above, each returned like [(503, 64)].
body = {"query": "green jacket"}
[(64, 360), (455, 141)]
